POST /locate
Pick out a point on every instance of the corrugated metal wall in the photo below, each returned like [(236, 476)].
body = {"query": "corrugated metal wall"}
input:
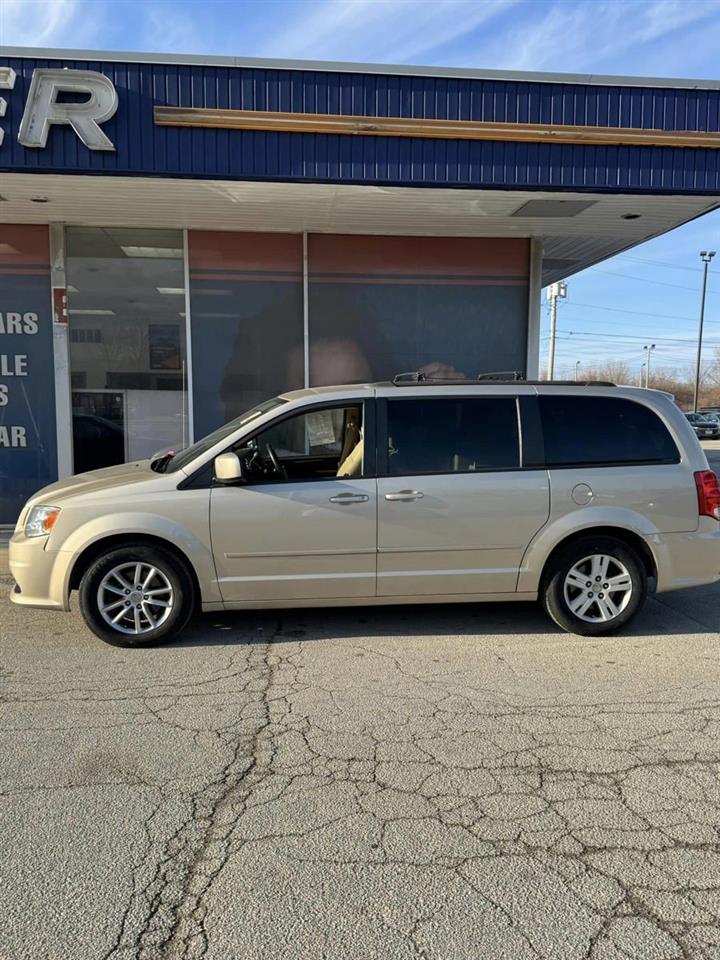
[(145, 149)]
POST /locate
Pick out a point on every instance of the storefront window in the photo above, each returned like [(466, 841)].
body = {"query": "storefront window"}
[(28, 452), (246, 301), (126, 308), (449, 306)]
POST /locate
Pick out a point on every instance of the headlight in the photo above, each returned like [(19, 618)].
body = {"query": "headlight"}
[(41, 521)]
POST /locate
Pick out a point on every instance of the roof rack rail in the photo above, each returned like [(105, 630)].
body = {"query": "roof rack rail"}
[(578, 383), (415, 377), (514, 375), (418, 378)]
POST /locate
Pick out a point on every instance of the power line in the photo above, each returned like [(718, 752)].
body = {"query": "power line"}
[(678, 355), (635, 313), (628, 336), (660, 263), (628, 323), (661, 283), (566, 334)]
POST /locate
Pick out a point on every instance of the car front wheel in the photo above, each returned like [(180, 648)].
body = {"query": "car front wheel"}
[(136, 595), (594, 586)]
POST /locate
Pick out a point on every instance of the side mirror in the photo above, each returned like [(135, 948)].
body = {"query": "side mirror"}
[(228, 468)]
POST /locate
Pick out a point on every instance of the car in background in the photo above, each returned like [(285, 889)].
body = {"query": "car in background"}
[(705, 429), (713, 417)]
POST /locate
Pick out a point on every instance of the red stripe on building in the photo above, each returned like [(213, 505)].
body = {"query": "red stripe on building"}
[(24, 245), (420, 281), (281, 252), (24, 271), (346, 255), (243, 276)]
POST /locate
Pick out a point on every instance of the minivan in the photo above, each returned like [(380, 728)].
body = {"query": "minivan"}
[(581, 495)]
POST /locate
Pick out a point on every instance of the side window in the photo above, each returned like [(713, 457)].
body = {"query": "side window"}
[(447, 435), (316, 445), (603, 430)]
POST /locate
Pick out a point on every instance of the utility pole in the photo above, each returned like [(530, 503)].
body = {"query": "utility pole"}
[(642, 371), (706, 256), (577, 364), (556, 291), (649, 347)]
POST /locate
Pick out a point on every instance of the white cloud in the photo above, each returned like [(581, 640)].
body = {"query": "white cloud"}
[(49, 23), (380, 30), (655, 37), (596, 35), (164, 28), (593, 36), (665, 16)]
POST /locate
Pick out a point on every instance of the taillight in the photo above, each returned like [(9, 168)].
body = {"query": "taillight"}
[(708, 491)]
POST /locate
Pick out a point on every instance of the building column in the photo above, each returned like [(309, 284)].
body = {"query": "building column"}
[(532, 363), (306, 313), (61, 353), (189, 415)]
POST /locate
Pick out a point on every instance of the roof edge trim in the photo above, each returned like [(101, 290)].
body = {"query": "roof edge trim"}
[(329, 66)]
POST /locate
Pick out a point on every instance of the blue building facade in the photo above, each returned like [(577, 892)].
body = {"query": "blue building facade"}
[(143, 148)]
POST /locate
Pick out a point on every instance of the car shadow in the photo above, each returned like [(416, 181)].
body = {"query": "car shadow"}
[(685, 612)]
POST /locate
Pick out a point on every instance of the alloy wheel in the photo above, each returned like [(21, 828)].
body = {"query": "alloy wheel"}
[(598, 588), (135, 598)]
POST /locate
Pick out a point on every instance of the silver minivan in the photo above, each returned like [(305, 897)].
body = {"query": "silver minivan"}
[(417, 491)]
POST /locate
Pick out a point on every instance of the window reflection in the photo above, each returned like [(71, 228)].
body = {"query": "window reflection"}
[(448, 306)]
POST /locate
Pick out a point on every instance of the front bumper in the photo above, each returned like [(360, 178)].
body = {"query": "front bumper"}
[(39, 573)]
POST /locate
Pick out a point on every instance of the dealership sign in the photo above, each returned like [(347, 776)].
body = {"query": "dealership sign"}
[(44, 109)]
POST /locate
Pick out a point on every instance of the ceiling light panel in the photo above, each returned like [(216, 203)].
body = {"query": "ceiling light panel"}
[(553, 208), (164, 253)]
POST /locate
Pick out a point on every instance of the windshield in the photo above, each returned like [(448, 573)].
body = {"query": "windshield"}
[(186, 456)]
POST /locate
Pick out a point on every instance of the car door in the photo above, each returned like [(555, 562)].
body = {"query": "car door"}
[(456, 509), (310, 534)]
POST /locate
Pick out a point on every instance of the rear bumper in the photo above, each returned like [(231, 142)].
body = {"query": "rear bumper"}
[(687, 559), (39, 573)]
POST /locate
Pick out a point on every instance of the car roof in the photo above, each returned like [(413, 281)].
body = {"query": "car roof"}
[(455, 387)]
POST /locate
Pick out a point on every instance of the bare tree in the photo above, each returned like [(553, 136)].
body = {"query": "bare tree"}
[(616, 371)]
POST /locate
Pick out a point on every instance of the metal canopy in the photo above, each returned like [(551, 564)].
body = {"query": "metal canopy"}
[(593, 229)]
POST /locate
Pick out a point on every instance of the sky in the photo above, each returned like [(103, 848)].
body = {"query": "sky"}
[(649, 295)]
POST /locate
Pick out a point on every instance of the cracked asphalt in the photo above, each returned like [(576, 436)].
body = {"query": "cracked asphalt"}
[(430, 782)]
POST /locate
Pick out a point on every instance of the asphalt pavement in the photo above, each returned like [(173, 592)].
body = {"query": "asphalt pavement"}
[(418, 782), (428, 782)]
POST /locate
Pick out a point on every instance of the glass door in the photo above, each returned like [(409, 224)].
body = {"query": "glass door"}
[(126, 317)]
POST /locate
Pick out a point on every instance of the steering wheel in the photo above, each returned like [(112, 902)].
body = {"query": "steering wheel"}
[(277, 466)]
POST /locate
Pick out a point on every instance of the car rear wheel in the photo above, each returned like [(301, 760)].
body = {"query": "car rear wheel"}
[(136, 595), (594, 586)]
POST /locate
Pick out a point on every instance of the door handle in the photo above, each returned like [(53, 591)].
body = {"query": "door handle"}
[(349, 498), (405, 496)]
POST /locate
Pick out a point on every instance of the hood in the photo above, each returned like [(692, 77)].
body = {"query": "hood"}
[(95, 480)]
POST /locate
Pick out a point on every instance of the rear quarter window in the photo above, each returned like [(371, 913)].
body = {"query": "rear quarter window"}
[(603, 430)]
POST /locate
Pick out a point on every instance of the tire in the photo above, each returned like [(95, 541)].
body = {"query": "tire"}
[(564, 588), (165, 604)]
